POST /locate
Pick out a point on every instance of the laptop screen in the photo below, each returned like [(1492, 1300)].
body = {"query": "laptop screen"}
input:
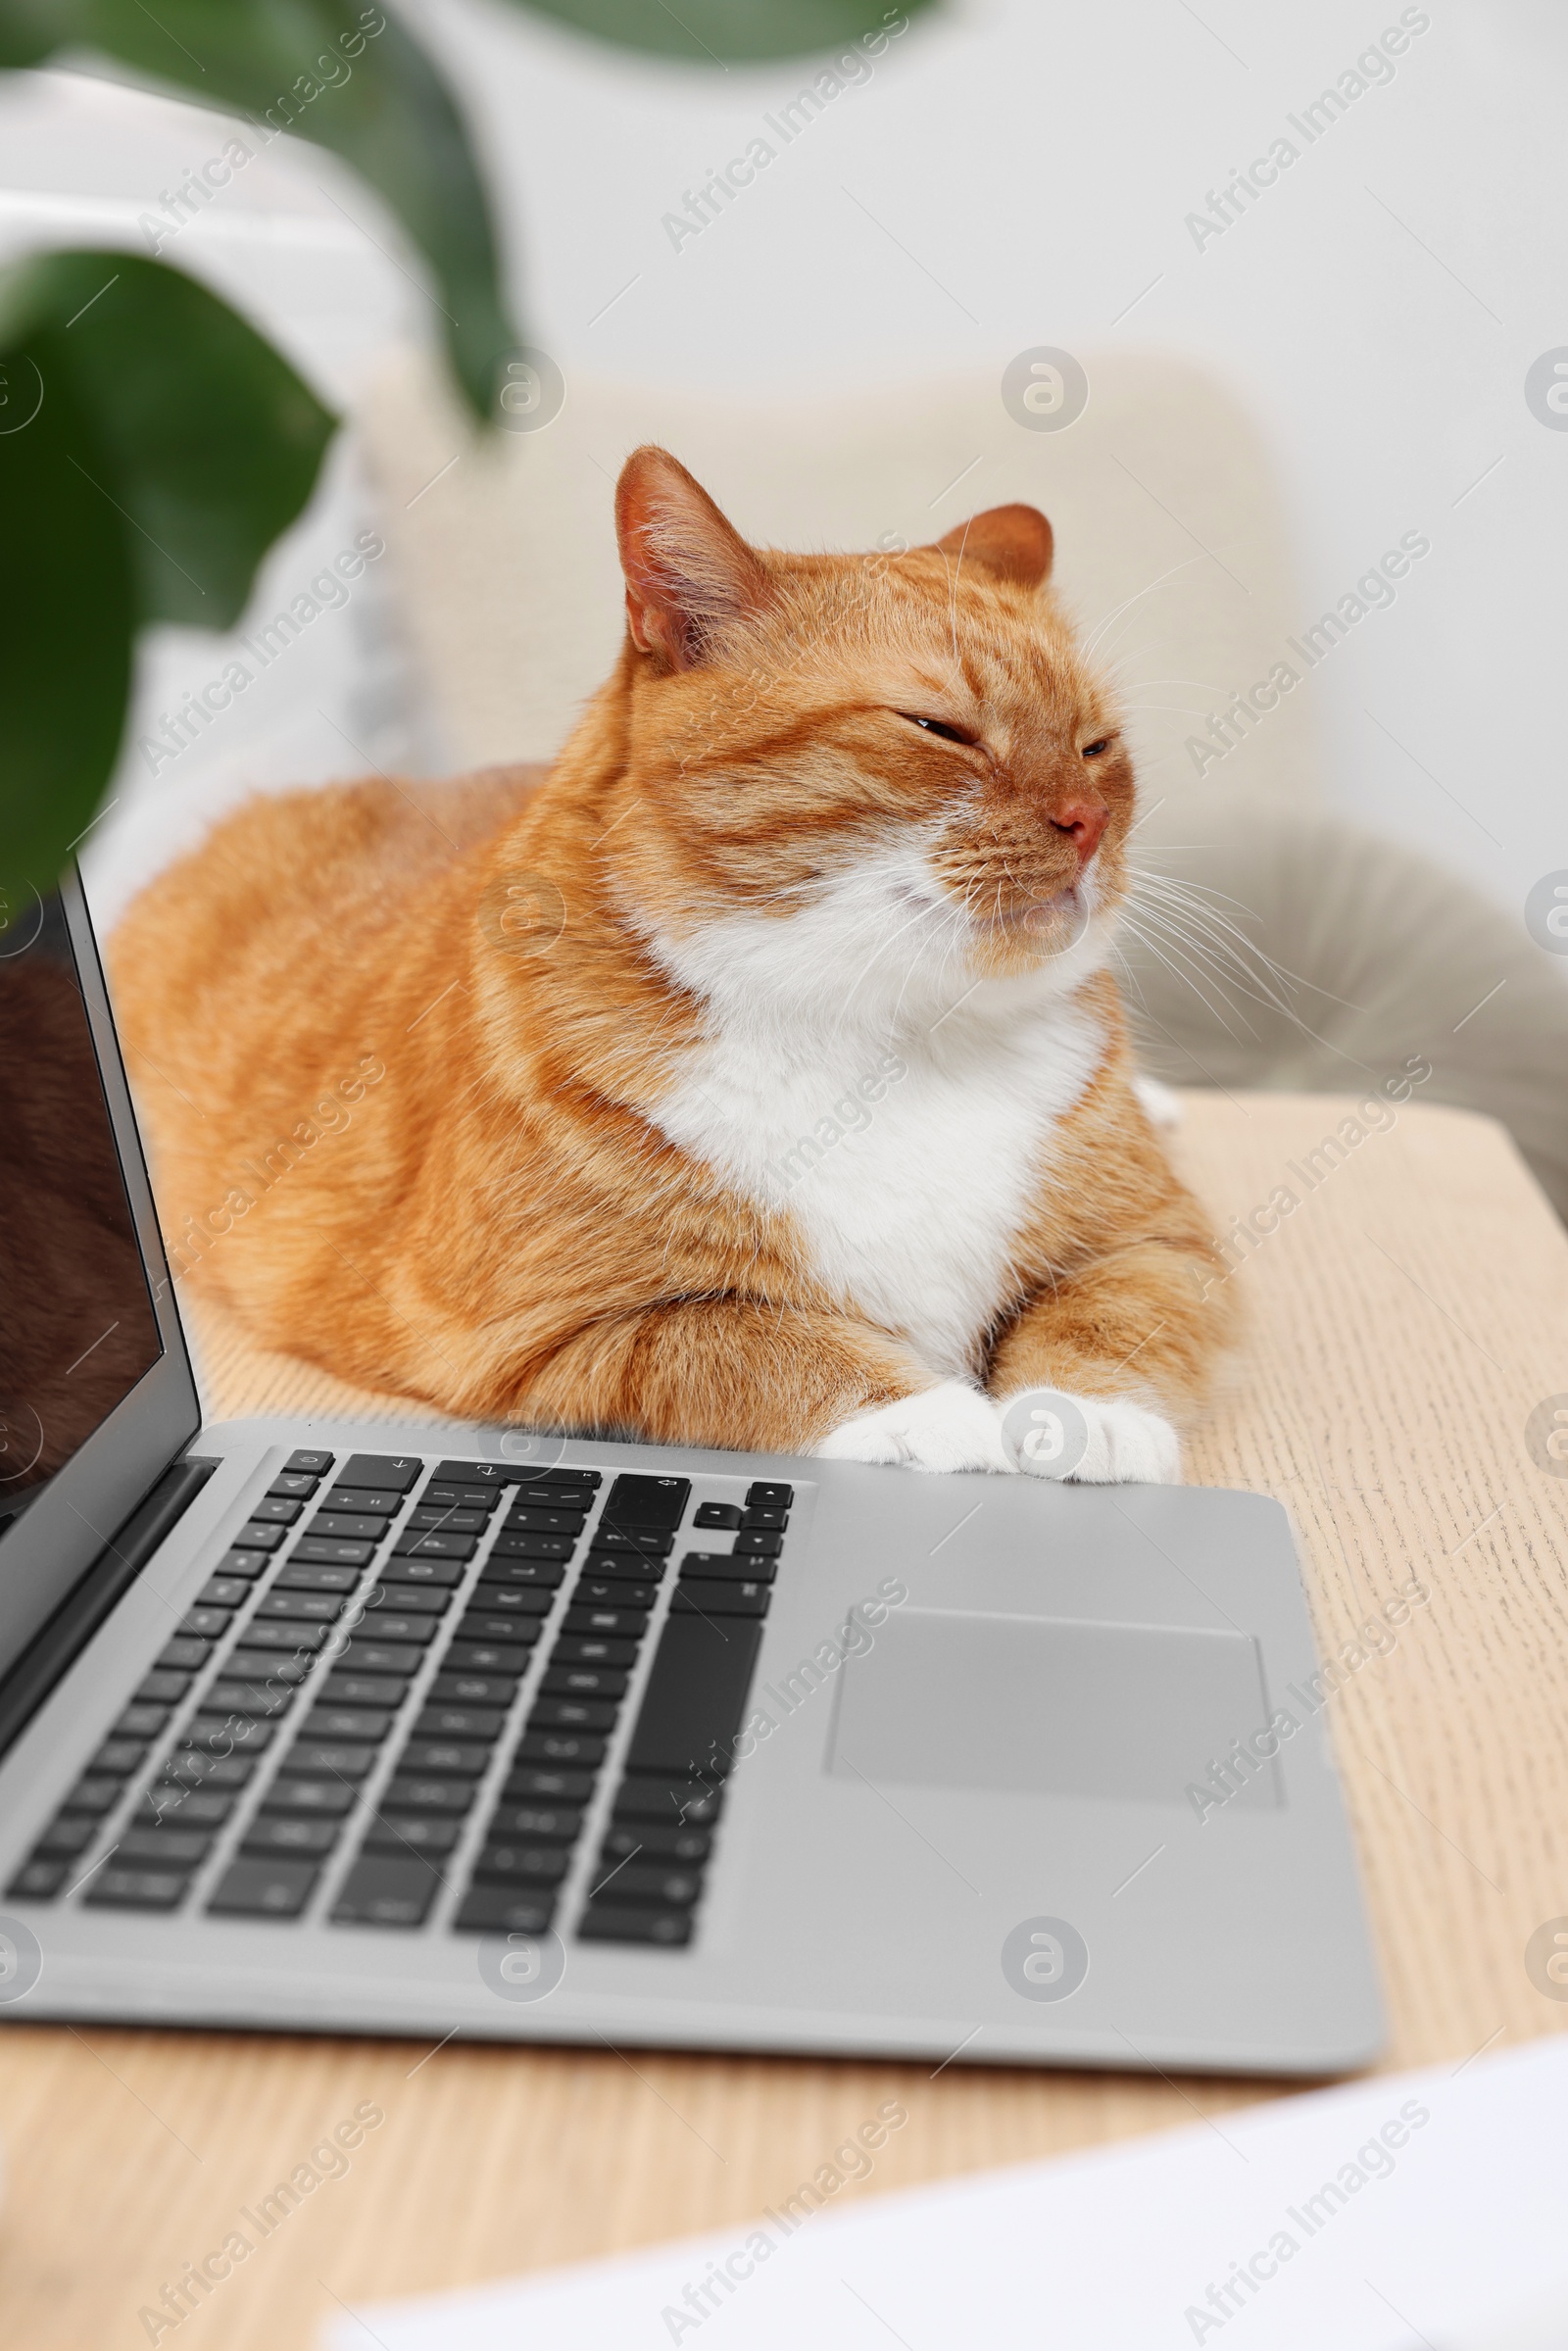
[(78, 1329)]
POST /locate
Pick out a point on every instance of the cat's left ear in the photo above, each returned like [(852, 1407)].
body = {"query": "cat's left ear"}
[(1013, 543), (690, 575)]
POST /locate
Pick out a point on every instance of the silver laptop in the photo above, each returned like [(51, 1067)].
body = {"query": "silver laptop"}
[(419, 1727)]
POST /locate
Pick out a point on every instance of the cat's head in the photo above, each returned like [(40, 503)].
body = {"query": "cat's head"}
[(883, 778)]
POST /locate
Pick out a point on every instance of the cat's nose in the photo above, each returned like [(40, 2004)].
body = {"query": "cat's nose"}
[(1084, 821)]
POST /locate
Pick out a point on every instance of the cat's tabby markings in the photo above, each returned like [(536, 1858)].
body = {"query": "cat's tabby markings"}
[(830, 816)]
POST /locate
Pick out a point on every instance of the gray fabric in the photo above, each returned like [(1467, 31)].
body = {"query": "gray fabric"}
[(1381, 954)]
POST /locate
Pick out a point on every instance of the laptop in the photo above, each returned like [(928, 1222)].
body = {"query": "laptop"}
[(419, 1727)]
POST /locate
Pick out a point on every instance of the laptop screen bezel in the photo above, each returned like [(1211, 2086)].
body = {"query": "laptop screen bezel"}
[(69, 1524)]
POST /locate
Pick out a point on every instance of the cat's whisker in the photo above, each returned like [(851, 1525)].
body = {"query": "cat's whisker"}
[(1127, 602)]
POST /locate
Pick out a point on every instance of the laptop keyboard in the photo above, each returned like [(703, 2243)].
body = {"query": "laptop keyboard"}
[(396, 1693)]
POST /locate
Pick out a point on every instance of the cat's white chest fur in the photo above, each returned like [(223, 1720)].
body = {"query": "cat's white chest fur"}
[(908, 1161)]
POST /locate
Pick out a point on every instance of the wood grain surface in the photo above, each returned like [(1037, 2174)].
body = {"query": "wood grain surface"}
[(1405, 1320)]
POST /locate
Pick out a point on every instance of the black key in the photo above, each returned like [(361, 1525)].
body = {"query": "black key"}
[(320, 1799), (264, 1888), (222, 1592), (682, 1803), (64, 1837), (573, 1714), (37, 1882), (529, 1518), (190, 1768), (288, 1637), (460, 1722), (540, 1865), (509, 1909), (411, 1794), (162, 1688), (274, 1510), (537, 1824), (364, 1689), (388, 1892), (141, 1720), (408, 1831), (644, 1541), (762, 1495), (773, 1521), (330, 1551), (623, 1923), (523, 1546), (272, 1835), (368, 1725), (720, 1563), (695, 1697), (421, 1571), (649, 1882), (365, 1656), (117, 1756), (113, 1888), (93, 1796), (226, 1736), (634, 1574), (386, 1624), (731, 1598), (193, 1807), (357, 1500), (559, 1746), (268, 1669), (647, 1501), (580, 1649), (474, 1689), (511, 1473), (462, 1497), (353, 1526), (313, 1464), (654, 1841), (454, 1757), (246, 1563), (472, 1473), (412, 1600), (263, 1699), (585, 1682), (166, 1849), (206, 1622), (184, 1652), (524, 1577), (395, 1473), (412, 1545), (297, 1608), (717, 1514), (454, 1521), (297, 1578), (257, 1536), (296, 1483), (485, 1657), (327, 1759), (563, 1787), (477, 1624), (752, 1546)]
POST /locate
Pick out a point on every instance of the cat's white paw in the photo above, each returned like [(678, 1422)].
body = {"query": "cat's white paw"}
[(1091, 1439), (948, 1427), (1162, 1105)]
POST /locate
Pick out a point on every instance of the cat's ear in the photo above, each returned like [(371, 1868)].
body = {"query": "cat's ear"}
[(1013, 543), (690, 575)]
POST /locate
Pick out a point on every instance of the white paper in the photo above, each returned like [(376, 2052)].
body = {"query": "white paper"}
[(1414, 2209)]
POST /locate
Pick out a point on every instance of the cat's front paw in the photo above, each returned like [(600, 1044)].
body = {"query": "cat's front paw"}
[(950, 1426), (1092, 1439)]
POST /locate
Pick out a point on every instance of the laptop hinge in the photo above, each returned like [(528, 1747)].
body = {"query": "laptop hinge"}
[(51, 1652)]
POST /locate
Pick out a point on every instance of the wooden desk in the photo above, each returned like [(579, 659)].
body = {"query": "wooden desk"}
[(1406, 1320)]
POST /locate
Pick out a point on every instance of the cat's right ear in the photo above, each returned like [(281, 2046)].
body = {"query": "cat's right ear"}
[(690, 575)]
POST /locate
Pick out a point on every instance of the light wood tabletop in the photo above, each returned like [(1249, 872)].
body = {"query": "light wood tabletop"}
[(1406, 1320)]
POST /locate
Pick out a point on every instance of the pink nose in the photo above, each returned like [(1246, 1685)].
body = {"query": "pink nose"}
[(1085, 820)]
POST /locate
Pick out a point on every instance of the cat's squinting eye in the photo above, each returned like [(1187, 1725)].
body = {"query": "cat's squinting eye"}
[(1092, 751), (939, 727)]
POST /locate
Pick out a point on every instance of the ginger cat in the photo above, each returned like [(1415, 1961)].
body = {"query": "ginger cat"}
[(755, 1080)]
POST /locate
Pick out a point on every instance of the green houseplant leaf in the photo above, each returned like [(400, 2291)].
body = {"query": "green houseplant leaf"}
[(151, 447), (343, 75), (729, 31)]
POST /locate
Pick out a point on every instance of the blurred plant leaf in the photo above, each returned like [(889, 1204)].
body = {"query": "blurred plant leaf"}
[(729, 31), (347, 76), (151, 447)]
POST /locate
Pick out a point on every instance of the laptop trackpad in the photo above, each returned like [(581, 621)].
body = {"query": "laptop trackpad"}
[(1048, 1706)]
